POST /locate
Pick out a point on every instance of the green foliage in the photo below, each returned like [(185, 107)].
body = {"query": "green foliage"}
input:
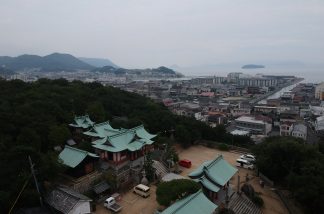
[(223, 147), (183, 135), (297, 166), (148, 167), (58, 135), (34, 118), (257, 200), (167, 192), (170, 153), (96, 112)]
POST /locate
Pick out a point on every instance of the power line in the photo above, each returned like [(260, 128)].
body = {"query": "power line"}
[(21, 191)]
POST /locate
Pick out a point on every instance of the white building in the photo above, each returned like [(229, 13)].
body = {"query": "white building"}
[(299, 130), (253, 125)]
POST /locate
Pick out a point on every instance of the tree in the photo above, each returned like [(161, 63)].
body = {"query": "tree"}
[(296, 166), (96, 111), (148, 167), (58, 135), (167, 192), (182, 135)]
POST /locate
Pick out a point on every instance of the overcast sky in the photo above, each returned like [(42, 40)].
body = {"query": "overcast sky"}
[(150, 33)]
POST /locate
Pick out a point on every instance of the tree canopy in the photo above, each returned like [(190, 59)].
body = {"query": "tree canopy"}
[(35, 117), (170, 191), (296, 166)]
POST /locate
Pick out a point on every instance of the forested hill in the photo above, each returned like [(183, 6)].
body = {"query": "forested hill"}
[(34, 118), (52, 62)]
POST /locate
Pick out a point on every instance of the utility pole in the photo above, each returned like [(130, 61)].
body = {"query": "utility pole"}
[(35, 179)]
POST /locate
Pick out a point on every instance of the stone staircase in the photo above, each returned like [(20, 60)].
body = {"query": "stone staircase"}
[(241, 204), (161, 170)]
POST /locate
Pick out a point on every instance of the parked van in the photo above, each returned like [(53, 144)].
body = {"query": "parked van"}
[(142, 190), (244, 164)]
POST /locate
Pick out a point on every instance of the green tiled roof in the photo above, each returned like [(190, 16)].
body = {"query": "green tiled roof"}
[(72, 156), (102, 130), (193, 204), (127, 139), (218, 171), (82, 122), (207, 184)]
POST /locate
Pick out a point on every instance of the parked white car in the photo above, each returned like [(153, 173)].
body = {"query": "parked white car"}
[(248, 157), (244, 164), (142, 190)]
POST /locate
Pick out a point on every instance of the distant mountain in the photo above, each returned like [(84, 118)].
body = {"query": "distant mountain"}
[(53, 62), (98, 62), (154, 72), (252, 66)]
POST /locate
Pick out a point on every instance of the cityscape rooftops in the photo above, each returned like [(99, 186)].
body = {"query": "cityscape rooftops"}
[(249, 119)]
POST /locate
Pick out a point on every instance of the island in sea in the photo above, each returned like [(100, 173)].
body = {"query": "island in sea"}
[(252, 66)]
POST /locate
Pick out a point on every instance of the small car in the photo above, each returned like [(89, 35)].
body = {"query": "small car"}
[(244, 164), (185, 163), (248, 157), (142, 190)]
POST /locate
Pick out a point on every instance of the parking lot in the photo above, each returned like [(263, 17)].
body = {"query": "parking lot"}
[(197, 155), (133, 203)]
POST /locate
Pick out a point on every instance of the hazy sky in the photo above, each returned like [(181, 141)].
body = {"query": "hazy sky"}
[(149, 33)]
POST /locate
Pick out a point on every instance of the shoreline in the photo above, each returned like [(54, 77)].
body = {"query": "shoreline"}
[(263, 99)]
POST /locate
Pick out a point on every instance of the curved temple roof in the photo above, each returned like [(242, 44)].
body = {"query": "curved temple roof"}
[(217, 171), (82, 122), (192, 204), (127, 139)]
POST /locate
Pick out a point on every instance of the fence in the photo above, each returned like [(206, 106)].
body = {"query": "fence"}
[(266, 180)]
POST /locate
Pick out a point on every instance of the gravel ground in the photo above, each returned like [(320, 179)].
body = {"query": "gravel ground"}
[(134, 204), (199, 154)]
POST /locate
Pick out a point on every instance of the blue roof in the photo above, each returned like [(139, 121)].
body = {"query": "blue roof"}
[(192, 204)]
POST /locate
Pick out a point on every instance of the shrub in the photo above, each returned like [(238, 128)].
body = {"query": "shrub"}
[(174, 190), (223, 147), (257, 200)]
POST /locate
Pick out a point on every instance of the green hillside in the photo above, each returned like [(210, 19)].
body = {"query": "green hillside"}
[(34, 118)]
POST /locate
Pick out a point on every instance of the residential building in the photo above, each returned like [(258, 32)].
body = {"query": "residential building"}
[(300, 131), (265, 109), (214, 176), (256, 125), (240, 111), (286, 128), (319, 91)]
